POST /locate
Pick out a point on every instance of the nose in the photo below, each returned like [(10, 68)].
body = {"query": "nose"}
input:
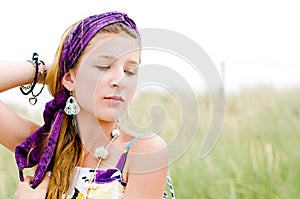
[(118, 79)]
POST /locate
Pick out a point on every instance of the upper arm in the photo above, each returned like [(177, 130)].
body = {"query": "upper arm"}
[(13, 128), (146, 185), (147, 169)]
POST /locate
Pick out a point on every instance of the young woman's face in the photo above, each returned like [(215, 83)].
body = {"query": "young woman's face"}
[(106, 75)]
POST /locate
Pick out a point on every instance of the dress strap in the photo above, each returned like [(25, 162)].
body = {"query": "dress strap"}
[(123, 157), (171, 188)]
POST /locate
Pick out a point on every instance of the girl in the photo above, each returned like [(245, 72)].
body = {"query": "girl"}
[(81, 144)]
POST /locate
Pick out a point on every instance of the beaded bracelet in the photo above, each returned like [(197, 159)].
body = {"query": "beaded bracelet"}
[(29, 88)]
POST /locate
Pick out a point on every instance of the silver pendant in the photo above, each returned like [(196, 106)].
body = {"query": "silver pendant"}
[(101, 152)]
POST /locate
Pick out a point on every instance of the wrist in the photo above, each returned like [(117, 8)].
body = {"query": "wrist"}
[(39, 77)]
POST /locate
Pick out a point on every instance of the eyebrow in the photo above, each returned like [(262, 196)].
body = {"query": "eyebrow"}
[(107, 57), (132, 62), (112, 58)]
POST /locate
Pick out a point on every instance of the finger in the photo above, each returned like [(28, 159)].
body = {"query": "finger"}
[(45, 182), (23, 187), (28, 179)]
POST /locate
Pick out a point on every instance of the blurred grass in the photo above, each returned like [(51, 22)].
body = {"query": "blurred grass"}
[(257, 156)]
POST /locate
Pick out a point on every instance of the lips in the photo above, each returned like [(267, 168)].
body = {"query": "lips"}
[(115, 98)]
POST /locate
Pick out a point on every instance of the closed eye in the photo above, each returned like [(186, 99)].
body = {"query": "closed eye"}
[(104, 67), (129, 72)]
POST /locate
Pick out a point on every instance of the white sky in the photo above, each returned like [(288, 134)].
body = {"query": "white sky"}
[(259, 40)]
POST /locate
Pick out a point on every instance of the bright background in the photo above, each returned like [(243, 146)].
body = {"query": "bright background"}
[(258, 41), (258, 44)]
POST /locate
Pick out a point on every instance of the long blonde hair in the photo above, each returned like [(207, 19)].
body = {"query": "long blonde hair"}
[(69, 150)]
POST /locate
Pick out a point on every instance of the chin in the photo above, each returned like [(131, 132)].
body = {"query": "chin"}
[(108, 116)]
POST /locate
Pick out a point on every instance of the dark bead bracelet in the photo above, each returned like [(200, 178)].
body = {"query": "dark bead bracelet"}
[(29, 88)]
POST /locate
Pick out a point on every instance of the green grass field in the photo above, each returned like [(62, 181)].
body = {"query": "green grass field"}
[(257, 156)]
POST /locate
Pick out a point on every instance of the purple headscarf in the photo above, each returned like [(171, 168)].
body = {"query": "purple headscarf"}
[(29, 153)]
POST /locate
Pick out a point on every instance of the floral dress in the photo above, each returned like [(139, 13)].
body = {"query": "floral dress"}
[(107, 183)]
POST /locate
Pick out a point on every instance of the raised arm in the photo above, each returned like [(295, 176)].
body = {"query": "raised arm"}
[(13, 74), (14, 128)]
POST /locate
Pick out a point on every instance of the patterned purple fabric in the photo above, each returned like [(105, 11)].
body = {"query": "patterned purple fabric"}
[(53, 113), (85, 31), (107, 176), (122, 161)]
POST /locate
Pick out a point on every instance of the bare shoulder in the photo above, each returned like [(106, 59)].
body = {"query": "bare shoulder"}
[(150, 143), (147, 168), (147, 154)]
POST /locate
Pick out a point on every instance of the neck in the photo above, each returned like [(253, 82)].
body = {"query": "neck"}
[(93, 132)]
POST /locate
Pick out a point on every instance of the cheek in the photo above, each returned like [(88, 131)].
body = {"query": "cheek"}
[(130, 90), (131, 81), (86, 88)]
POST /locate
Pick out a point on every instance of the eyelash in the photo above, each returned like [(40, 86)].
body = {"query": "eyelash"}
[(104, 67), (128, 72)]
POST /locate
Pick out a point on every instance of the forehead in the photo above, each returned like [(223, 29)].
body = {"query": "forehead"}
[(111, 44)]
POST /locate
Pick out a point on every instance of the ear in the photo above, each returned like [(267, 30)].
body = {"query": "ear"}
[(68, 80)]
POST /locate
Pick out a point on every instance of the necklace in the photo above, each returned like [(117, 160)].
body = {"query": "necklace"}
[(102, 152)]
